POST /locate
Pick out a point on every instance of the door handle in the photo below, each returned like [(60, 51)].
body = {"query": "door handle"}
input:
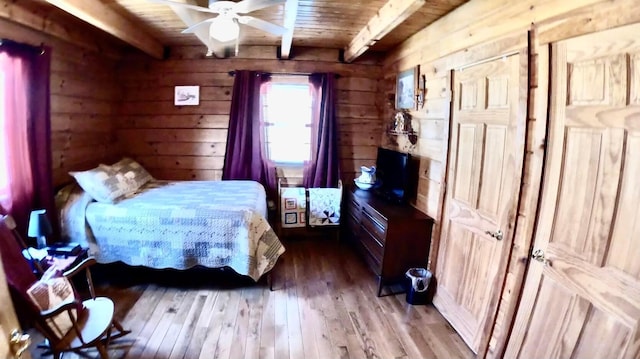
[(497, 235), (538, 255), (18, 342)]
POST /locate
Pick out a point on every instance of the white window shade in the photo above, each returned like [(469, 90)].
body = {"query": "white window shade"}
[(287, 112)]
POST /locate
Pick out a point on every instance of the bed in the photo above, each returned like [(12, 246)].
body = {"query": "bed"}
[(176, 224)]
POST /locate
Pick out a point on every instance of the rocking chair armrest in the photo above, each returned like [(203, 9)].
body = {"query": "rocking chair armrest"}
[(64, 306), (84, 265), (88, 262)]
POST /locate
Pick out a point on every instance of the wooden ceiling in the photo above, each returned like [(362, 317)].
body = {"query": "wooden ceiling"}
[(353, 25)]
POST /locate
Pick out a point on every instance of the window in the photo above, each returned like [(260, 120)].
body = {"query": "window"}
[(287, 120)]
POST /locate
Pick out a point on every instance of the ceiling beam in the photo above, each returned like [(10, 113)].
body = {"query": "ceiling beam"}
[(12, 12), (104, 18), (290, 14), (190, 17), (388, 17)]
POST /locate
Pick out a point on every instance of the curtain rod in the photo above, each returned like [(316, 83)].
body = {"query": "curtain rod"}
[(40, 48), (232, 73)]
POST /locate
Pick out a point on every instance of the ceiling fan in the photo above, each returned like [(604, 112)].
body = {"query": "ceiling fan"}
[(224, 27)]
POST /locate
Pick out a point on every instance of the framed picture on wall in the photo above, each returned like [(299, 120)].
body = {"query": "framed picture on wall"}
[(405, 89), (187, 96)]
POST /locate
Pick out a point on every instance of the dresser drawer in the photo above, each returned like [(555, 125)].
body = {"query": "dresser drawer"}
[(374, 264), (353, 205), (353, 224), (374, 224), (372, 245)]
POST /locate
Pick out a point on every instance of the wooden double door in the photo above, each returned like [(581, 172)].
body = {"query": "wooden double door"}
[(581, 295), (582, 292)]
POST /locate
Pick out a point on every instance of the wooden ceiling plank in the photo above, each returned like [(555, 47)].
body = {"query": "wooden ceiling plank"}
[(290, 13), (101, 16), (392, 14)]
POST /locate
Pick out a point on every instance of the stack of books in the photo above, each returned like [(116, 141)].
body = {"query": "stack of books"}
[(67, 249)]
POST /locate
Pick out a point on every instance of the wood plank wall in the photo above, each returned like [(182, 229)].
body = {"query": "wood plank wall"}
[(188, 142), (461, 38), (431, 124), (84, 94), (82, 112)]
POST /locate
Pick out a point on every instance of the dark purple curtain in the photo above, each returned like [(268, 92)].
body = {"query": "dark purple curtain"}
[(40, 137), (25, 159), (26, 131), (245, 158), (323, 170)]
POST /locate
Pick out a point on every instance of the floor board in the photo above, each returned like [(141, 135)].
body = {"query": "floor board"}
[(324, 306)]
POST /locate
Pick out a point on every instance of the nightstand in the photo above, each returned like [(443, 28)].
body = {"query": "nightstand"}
[(66, 261)]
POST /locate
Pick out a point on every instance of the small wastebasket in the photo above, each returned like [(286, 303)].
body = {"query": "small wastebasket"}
[(418, 284)]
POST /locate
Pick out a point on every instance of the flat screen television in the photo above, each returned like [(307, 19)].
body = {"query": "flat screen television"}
[(392, 174)]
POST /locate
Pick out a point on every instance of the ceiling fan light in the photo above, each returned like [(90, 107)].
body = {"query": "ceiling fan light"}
[(224, 29)]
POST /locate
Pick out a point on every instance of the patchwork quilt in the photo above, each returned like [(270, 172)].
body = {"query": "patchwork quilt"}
[(176, 224), (324, 206)]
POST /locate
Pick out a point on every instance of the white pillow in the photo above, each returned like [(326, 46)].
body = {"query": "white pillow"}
[(105, 184)]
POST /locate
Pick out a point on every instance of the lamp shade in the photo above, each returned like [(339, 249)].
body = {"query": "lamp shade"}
[(39, 226), (224, 29)]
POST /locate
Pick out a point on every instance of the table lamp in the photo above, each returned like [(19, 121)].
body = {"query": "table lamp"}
[(39, 227)]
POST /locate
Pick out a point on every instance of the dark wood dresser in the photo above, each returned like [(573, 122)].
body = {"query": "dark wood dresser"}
[(390, 237)]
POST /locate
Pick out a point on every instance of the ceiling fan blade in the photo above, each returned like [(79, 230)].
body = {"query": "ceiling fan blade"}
[(262, 25), (247, 6), (188, 6), (194, 27)]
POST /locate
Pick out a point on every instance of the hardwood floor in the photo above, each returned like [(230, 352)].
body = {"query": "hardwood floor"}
[(323, 306)]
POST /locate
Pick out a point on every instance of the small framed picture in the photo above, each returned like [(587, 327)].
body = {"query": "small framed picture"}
[(290, 203), (291, 218), (186, 96), (406, 89)]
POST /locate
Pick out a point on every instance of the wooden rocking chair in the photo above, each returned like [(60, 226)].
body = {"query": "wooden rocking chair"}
[(93, 322)]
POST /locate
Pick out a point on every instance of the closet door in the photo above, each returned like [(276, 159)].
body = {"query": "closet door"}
[(485, 165), (8, 322), (582, 291)]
